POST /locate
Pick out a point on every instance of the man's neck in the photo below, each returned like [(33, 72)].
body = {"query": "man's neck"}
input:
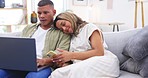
[(45, 27)]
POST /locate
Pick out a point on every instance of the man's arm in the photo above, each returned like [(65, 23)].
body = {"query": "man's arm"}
[(64, 41)]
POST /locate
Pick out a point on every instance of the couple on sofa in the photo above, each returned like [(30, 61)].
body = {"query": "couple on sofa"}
[(89, 56)]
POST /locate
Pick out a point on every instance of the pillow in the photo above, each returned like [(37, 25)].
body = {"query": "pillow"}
[(139, 67), (137, 45)]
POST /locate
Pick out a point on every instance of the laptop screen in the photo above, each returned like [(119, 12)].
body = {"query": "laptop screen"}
[(18, 54)]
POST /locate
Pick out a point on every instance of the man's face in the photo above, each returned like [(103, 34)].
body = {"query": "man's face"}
[(46, 14)]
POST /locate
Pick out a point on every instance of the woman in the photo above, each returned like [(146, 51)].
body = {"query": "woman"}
[(90, 59)]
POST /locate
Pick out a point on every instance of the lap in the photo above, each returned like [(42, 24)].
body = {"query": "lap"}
[(44, 73), (11, 73), (97, 66)]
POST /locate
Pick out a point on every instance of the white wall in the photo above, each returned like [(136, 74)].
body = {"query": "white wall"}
[(122, 11), (32, 6)]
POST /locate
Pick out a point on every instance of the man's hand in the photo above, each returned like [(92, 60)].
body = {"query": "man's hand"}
[(44, 62)]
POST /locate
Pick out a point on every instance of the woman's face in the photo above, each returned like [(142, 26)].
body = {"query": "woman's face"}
[(65, 26)]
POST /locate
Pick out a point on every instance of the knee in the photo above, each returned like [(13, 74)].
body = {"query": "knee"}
[(31, 75), (40, 74), (3, 73)]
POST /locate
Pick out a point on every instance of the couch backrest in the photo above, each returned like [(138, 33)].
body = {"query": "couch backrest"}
[(117, 40), (11, 34)]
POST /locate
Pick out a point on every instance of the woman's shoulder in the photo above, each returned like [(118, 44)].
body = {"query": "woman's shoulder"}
[(91, 26)]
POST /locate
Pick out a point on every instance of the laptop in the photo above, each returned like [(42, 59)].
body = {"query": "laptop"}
[(18, 54)]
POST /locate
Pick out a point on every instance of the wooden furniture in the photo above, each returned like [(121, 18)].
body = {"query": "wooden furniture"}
[(142, 12), (13, 15), (114, 24)]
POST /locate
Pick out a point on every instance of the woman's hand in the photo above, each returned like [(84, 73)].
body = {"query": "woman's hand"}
[(62, 57)]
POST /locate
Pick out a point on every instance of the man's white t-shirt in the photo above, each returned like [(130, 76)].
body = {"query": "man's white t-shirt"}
[(39, 36)]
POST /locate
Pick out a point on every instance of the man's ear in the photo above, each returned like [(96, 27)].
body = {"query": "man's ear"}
[(54, 11)]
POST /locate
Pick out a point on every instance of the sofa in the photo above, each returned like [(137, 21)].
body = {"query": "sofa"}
[(115, 43), (10, 34)]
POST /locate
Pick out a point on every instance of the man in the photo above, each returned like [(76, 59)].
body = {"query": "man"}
[(47, 39)]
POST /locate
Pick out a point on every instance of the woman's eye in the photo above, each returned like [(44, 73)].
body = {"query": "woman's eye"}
[(63, 23)]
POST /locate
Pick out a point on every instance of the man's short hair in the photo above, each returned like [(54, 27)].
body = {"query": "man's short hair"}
[(45, 2)]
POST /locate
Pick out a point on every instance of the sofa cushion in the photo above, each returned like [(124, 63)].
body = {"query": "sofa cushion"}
[(137, 46), (126, 74), (117, 40), (137, 50), (133, 66)]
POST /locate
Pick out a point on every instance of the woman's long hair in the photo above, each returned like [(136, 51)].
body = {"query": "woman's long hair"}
[(75, 21)]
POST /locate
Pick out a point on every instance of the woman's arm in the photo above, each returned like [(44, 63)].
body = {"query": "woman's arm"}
[(97, 49)]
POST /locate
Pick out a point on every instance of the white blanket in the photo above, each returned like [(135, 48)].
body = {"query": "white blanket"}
[(106, 66)]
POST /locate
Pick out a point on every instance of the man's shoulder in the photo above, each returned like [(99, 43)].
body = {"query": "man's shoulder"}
[(58, 32), (30, 26)]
